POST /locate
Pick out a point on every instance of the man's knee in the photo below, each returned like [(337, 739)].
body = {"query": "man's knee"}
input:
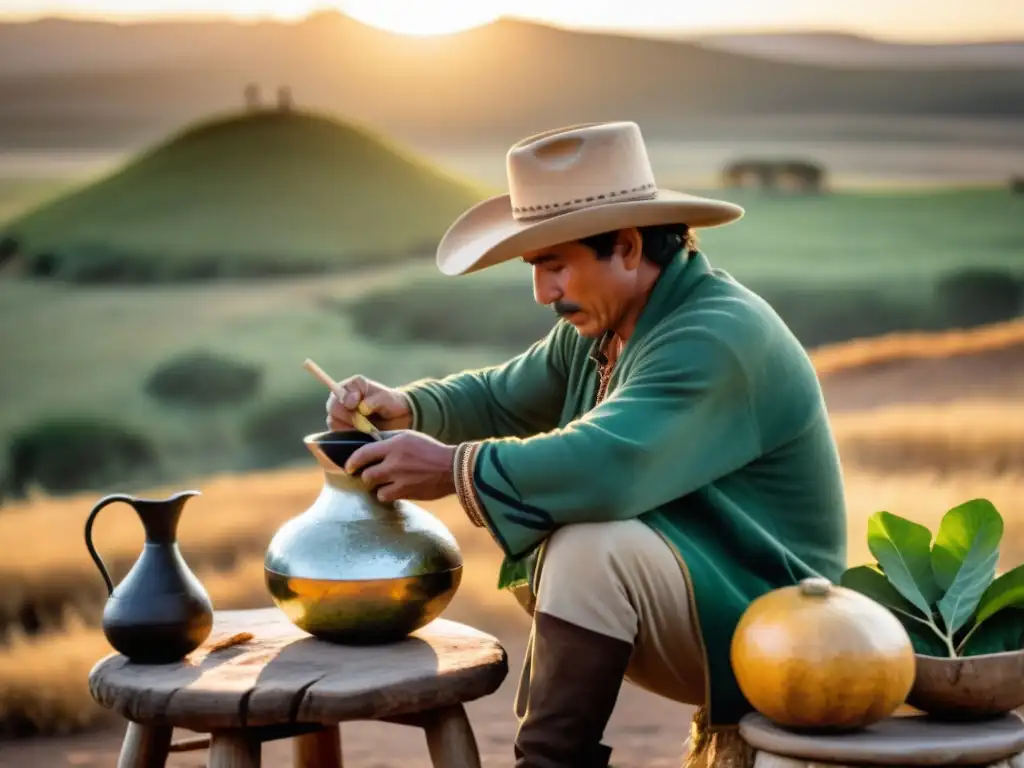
[(584, 577), (594, 552)]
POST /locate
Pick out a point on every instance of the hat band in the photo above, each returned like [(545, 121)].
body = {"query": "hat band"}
[(543, 210)]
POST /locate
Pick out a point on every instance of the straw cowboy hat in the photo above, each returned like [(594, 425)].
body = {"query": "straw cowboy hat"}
[(567, 184)]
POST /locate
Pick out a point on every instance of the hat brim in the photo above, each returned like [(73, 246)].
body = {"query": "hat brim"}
[(488, 234)]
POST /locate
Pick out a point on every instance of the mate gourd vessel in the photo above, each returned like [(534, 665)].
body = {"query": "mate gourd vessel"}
[(353, 569)]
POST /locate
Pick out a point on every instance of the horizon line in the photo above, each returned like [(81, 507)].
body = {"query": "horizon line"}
[(678, 32)]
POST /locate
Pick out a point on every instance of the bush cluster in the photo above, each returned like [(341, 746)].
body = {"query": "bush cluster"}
[(100, 264), (80, 452), (64, 454), (200, 379), (503, 316)]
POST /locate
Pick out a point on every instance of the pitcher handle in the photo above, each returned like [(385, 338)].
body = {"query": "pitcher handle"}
[(106, 500)]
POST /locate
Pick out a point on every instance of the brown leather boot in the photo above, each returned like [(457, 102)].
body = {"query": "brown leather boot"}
[(574, 680)]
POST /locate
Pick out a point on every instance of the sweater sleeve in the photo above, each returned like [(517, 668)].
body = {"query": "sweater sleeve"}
[(520, 397), (680, 419)]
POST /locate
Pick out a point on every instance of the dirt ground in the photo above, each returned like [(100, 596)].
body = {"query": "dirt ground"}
[(645, 730), (992, 375)]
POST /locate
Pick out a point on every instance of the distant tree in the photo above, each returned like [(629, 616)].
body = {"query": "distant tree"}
[(748, 172), (201, 379), (65, 454), (44, 264), (803, 175), (8, 250), (1017, 185), (794, 174), (976, 296)]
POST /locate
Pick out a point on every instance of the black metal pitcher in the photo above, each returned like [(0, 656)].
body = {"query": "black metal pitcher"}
[(159, 612)]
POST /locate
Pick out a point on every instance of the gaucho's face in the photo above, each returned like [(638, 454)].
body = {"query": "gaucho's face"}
[(592, 293)]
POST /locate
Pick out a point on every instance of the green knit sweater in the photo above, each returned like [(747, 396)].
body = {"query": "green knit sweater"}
[(713, 432)]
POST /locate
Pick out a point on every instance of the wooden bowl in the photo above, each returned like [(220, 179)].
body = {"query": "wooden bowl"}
[(968, 688)]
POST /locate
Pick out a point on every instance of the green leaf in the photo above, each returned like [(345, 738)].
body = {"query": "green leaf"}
[(870, 581), (958, 530), (967, 545), (1004, 631), (903, 549), (1004, 592)]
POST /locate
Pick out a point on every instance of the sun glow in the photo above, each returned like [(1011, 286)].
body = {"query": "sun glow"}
[(894, 19), (422, 17)]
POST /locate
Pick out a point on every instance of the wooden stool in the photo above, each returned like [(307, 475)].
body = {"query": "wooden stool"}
[(913, 740), (284, 683)]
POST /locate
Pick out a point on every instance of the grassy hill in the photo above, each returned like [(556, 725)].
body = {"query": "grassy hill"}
[(265, 192), (857, 50)]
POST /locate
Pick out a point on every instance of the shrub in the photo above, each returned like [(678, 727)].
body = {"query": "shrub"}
[(775, 173), (825, 315), (8, 249), (973, 296), (101, 264), (505, 316), (45, 264), (201, 379), (73, 453), (273, 432), (489, 314)]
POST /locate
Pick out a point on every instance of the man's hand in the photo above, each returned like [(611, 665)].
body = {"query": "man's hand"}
[(387, 408), (412, 466)]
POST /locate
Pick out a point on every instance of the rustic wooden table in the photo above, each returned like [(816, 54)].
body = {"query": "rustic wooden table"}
[(911, 740), (283, 683)]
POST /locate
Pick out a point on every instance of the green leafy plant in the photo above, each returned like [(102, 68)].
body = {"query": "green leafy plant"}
[(945, 592)]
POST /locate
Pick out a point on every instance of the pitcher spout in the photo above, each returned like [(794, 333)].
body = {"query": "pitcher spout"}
[(160, 517)]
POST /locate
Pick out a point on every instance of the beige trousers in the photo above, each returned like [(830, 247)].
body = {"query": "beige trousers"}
[(623, 580)]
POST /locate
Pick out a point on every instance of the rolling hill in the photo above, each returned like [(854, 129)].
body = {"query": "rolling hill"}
[(851, 50), (124, 85), (268, 191)]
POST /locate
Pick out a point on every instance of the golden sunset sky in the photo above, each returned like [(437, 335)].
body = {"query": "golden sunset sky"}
[(912, 20)]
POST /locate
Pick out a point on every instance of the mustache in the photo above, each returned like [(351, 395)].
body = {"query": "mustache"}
[(563, 308)]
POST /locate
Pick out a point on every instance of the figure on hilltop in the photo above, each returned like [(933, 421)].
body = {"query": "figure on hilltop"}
[(284, 99), (252, 97), (253, 102)]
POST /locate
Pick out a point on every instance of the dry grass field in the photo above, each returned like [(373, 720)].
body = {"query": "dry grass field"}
[(916, 451)]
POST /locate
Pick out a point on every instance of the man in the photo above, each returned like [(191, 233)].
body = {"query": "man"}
[(655, 463)]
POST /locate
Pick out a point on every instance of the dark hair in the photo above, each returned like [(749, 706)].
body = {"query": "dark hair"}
[(660, 243)]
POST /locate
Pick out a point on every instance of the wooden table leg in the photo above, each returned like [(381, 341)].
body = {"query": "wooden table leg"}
[(145, 746), (321, 749), (450, 738), (233, 749)]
